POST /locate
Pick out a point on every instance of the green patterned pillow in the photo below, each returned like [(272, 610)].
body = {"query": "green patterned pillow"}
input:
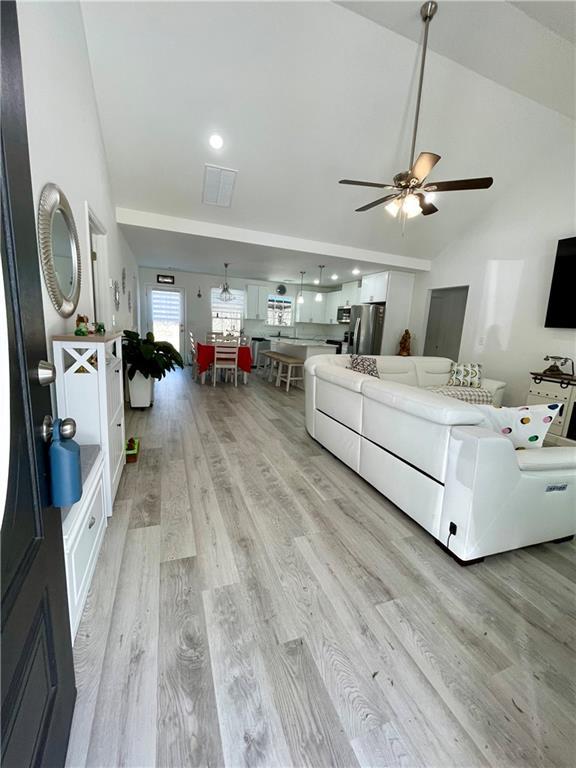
[(465, 375)]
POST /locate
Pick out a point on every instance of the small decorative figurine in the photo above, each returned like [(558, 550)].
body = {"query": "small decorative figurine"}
[(81, 325), (404, 348), (99, 329)]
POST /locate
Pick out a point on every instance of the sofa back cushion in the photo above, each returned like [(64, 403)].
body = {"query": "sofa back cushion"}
[(432, 371), (400, 369)]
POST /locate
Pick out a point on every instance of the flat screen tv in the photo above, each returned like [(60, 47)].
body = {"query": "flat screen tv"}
[(562, 302)]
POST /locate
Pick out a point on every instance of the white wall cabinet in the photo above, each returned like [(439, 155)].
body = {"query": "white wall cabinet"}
[(89, 389), (350, 294), (311, 311), (333, 301), (257, 302), (374, 288)]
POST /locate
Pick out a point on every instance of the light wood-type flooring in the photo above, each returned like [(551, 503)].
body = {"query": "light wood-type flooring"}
[(256, 603)]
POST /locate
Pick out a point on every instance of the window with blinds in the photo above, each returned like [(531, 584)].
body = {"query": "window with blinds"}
[(166, 307), (227, 316), (279, 310)]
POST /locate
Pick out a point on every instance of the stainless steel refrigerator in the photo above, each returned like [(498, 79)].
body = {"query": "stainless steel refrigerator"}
[(366, 329)]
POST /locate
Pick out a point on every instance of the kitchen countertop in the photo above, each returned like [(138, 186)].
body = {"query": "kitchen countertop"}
[(300, 342)]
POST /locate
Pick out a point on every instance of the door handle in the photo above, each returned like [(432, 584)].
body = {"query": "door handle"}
[(356, 332), (46, 373), (67, 428)]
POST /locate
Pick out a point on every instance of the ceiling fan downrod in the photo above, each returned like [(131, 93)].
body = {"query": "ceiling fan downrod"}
[(427, 12)]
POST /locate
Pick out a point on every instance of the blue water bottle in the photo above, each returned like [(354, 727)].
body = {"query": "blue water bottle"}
[(66, 476)]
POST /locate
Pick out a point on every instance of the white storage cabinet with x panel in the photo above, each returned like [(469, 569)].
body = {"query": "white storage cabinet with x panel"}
[(89, 389)]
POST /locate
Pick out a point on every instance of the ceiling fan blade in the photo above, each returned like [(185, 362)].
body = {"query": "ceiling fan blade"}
[(450, 186), (377, 202), (427, 208), (366, 184), (423, 165)]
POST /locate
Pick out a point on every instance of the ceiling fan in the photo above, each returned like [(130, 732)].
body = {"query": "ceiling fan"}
[(410, 196)]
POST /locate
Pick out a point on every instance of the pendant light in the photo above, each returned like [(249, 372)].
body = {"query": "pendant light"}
[(300, 299), (225, 293), (319, 296)]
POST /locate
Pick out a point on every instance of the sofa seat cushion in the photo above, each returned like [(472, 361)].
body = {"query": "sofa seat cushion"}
[(546, 459), (477, 395), (421, 402)]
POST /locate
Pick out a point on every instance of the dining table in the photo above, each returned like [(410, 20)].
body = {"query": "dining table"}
[(205, 358)]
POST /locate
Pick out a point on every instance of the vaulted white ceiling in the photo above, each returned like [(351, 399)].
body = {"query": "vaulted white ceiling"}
[(303, 94)]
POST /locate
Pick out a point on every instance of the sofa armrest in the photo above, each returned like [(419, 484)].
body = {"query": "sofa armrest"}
[(496, 388), (495, 504)]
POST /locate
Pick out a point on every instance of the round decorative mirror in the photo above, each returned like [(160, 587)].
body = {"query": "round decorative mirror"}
[(59, 250)]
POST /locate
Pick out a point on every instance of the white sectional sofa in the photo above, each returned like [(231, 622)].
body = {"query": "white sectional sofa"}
[(427, 453)]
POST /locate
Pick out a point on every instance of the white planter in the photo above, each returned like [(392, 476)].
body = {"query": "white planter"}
[(141, 391)]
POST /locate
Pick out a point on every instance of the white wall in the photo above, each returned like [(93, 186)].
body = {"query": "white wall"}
[(198, 312), (66, 146), (508, 257)]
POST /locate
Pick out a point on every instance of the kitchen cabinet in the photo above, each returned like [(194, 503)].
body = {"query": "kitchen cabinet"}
[(374, 288), (311, 311), (256, 302), (350, 294), (333, 301)]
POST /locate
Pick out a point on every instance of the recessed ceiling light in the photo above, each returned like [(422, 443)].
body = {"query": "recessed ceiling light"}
[(334, 276), (316, 282), (216, 141), (355, 271)]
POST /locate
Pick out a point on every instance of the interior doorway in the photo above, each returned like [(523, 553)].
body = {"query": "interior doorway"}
[(98, 266), (445, 322), (166, 315)]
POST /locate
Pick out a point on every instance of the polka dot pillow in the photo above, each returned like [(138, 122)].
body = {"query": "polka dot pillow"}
[(525, 426)]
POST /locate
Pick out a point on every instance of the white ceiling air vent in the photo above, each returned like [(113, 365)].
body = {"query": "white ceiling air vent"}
[(218, 185)]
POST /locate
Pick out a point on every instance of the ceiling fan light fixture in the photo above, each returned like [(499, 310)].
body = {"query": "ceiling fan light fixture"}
[(411, 206), (394, 207), (408, 195)]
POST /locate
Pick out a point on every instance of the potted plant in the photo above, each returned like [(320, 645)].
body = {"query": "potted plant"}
[(146, 360)]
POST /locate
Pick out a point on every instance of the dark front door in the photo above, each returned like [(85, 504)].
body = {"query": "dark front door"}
[(37, 674)]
